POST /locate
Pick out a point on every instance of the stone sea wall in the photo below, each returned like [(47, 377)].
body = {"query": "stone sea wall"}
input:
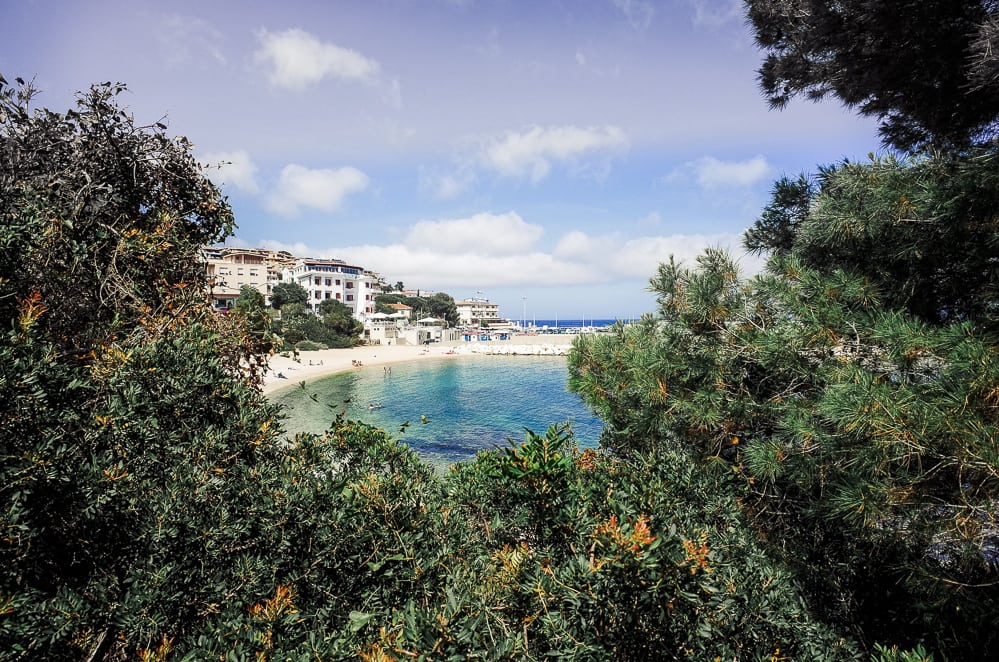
[(540, 345), (512, 350)]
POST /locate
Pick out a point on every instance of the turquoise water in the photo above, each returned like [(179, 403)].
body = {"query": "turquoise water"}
[(471, 403)]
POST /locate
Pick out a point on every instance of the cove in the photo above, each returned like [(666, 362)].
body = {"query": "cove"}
[(471, 403)]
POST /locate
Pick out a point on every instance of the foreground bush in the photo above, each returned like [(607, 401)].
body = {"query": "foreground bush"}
[(131, 427), (152, 508), (863, 439)]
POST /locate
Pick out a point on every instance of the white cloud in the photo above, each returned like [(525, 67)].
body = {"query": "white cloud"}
[(234, 169), (639, 258), (446, 186), (576, 245), (298, 249), (531, 153), (296, 59), (615, 257), (481, 235), (716, 13), (323, 189), (424, 265), (638, 12), (186, 40), (650, 220), (393, 92), (491, 46), (491, 251), (711, 173)]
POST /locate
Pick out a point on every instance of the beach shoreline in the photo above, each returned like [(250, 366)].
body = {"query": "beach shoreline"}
[(286, 372)]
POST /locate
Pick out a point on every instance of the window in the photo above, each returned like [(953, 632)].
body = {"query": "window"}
[(329, 281), (367, 297), (350, 297), (337, 296), (350, 285), (318, 294), (317, 280), (327, 295), (239, 272), (337, 281)]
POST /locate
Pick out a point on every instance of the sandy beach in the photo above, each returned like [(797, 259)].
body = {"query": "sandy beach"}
[(286, 372)]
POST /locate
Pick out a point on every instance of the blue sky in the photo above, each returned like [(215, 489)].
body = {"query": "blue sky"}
[(556, 150)]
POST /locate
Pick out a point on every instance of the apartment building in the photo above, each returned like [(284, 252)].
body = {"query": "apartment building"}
[(327, 279), (475, 311), (229, 269)]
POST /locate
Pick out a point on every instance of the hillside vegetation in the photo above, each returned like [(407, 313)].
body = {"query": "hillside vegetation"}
[(801, 465)]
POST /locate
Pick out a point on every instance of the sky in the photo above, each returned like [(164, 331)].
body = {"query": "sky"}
[(544, 154)]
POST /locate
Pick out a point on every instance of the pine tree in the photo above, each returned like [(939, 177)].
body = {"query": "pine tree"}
[(865, 439), (924, 68), (923, 229)]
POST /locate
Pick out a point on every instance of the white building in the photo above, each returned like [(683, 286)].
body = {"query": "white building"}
[(326, 279), (400, 310), (474, 312), (229, 269), (397, 329)]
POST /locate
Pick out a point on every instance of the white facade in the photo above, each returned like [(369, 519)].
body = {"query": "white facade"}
[(327, 279), (476, 311), (397, 330), (400, 310)]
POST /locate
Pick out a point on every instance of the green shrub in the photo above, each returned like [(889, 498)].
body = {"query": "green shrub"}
[(863, 439), (309, 346)]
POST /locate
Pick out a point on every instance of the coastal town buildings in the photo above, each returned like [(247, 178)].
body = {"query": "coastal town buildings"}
[(335, 279), (478, 312), (325, 279), (229, 269), (398, 329), (425, 294), (401, 310)]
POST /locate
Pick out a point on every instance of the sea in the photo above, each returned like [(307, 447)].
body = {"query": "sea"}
[(568, 323), (449, 409)]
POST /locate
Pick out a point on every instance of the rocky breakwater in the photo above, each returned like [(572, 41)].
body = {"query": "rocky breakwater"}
[(520, 345), (513, 350)]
